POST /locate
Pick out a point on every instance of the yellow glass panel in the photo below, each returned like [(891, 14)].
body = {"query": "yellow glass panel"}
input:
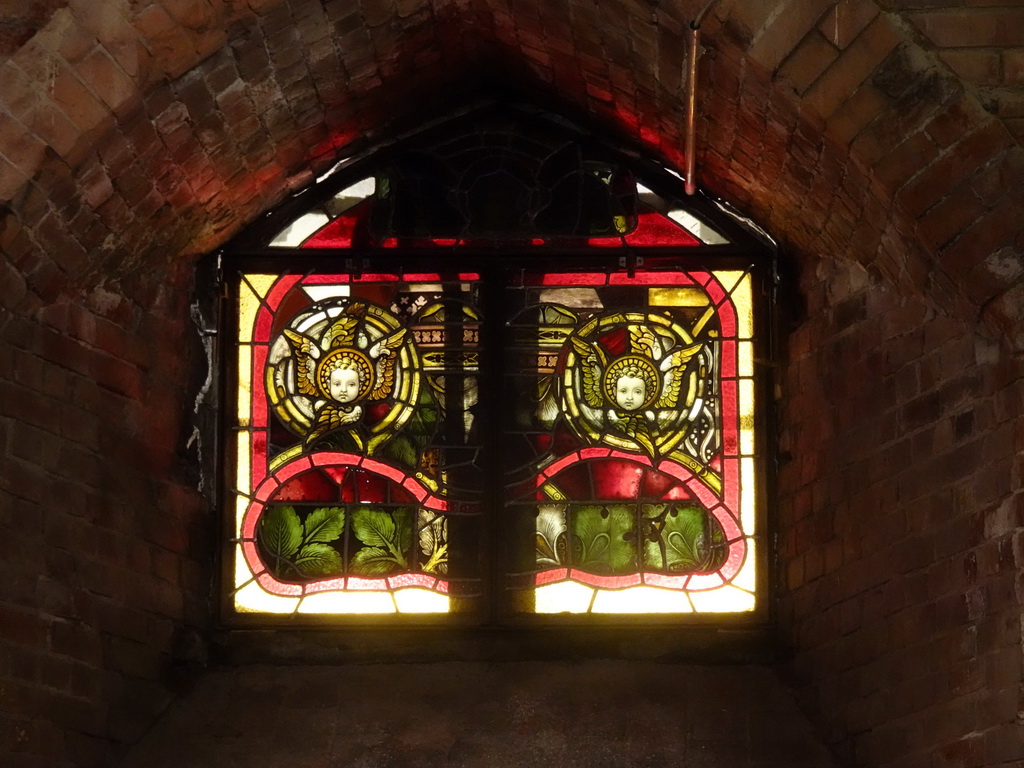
[(348, 602), (641, 600), (416, 600), (244, 385), (677, 297), (242, 572), (725, 599), (744, 302), (748, 496), (747, 576), (261, 284), (746, 397), (241, 504), (728, 278), (254, 599), (563, 597), (243, 476), (248, 305), (745, 351)]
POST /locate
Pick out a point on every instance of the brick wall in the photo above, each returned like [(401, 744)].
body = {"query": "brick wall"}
[(104, 552), (136, 136), (900, 527)]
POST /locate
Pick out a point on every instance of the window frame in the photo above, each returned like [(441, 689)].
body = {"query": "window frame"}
[(745, 250)]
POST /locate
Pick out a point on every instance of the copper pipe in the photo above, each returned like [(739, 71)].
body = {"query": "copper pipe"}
[(690, 148)]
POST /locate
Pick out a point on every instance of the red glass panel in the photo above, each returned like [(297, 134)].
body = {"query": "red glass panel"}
[(657, 485), (292, 468), (727, 315), (279, 291), (616, 481), (275, 587), (358, 583), (730, 433), (325, 279), (259, 393), (311, 486), (665, 581), (731, 482), (729, 524), (342, 231), (327, 585), (728, 359), (649, 278), (412, 580), (551, 576), (715, 291), (264, 319), (605, 582), (652, 230)]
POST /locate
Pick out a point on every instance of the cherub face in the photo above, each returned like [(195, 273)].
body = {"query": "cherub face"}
[(344, 385), (630, 392)]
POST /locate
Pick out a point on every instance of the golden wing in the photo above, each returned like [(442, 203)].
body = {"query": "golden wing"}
[(386, 352), (342, 332), (592, 365), (331, 418), (305, 364), (643, 342), (674, 366)]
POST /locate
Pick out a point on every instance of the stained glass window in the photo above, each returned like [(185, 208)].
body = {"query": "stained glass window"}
[(514, 381)]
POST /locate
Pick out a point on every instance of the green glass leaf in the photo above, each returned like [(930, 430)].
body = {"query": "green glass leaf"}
[(280, 532), (392, 532), (403, 519), (374, 561), (424, 418), (324, 525), (318, 560), (373, 527), (599, 538), (690, 541), (400, 450)]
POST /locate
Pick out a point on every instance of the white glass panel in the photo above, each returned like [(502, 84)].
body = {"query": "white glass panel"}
[(296, 233)]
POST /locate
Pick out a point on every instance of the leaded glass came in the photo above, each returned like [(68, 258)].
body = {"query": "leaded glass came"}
[(514, 380)]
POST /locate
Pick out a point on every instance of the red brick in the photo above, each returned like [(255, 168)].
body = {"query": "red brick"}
[(107, 80), (972, 151), (76, 101), (986, 235), (858, 111), (843, 23), (1013, 66), (978, 67), (853, 67), (812, 57), (971, 28), (774, 41), (906, 160), (949, 218)]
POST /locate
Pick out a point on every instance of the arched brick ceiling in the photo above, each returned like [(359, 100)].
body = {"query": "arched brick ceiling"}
[(135, 133)]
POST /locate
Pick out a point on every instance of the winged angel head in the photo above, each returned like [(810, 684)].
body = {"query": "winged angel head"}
[(632, 389), (341, 370)]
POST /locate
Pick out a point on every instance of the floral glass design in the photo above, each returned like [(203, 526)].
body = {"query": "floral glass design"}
[(632, 442), (626, 441), (354, 426)]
